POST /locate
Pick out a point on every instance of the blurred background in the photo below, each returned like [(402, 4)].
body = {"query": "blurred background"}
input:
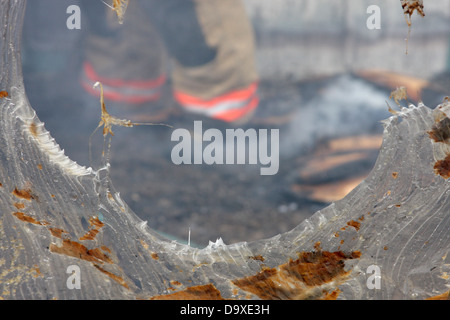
[(323, 80)]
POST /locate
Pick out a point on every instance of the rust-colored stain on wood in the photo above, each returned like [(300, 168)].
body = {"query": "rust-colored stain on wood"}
[(155, 256), (333, 295), (90, 235), (442, 167), (175, 283), (258, 258), (296, 278), (116, 278), (33, 129), (105, 248), (57, 232), (444, 296), (354, 224), (96, 225), (202, 292), (79, 251), (23, 194), (22, 216), (440, 132)]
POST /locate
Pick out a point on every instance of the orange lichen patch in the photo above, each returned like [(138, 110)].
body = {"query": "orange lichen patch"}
[(144, 244), (19, 205), (23, 194), (36, 271), (33, 129), (399, 94), (107, 120), (116, 278), (204, 292), (175, 283), (258, 258), (56, 232), (317, 246), (39, 166), (385, 248), (442, 167), (3, 94), (120, 6), (444, 296), (22, 216), (297, 278), (155, 256), (79, 251), (354, 224), (395, 175), (333, 295), (392, 80), (96, 225)]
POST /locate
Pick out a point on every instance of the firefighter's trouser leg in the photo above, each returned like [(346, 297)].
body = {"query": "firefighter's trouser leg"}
[(129, 59), (225, 87)]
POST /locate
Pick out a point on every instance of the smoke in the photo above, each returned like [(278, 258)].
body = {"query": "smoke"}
[(345, 106)]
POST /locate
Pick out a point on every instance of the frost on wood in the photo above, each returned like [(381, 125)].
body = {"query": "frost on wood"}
[(55, 214)]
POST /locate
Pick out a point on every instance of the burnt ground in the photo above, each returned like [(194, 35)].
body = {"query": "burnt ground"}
[(233, 202)]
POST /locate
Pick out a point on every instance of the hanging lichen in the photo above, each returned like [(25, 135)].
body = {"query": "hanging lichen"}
[(119, 7), (409, 6), (107, 121)]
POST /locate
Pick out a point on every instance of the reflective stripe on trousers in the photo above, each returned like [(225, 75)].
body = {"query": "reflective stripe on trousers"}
[(228, 107), (129, 91)]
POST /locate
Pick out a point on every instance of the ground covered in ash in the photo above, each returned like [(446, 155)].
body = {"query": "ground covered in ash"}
[(233, 202)]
